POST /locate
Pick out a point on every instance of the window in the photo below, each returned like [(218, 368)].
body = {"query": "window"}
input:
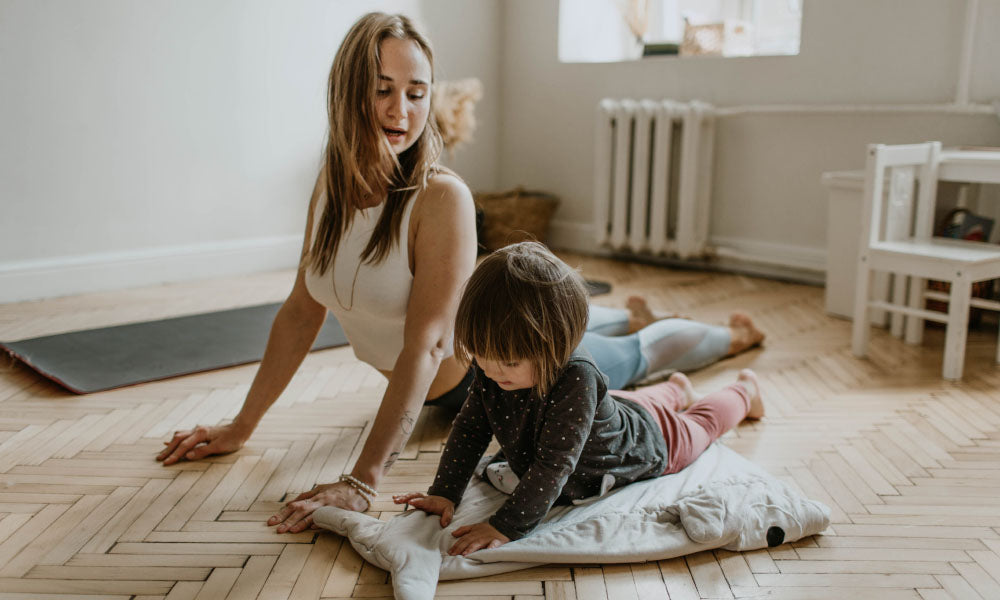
[(620, 30)]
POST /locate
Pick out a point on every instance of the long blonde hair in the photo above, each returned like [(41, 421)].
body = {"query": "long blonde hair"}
[(358, 164), (523, 303)]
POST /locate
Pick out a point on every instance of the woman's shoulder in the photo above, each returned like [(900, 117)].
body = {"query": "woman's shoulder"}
[(445, 201), (445, 187)]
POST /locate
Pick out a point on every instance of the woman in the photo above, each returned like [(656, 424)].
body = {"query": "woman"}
[(390, 240), (380, 180)]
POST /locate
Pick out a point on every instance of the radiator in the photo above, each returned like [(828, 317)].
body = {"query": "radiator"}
[(652, 176)]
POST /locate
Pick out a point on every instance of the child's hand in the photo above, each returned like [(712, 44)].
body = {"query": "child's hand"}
[(435, 505), (476, 537)]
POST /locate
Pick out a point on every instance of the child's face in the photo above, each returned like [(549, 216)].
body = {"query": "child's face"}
[(509, 376)]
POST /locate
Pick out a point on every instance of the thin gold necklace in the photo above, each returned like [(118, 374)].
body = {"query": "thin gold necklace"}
[(354, 282)]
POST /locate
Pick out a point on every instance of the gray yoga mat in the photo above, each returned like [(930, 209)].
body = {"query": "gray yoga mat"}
[(110, 357), (596, 288)]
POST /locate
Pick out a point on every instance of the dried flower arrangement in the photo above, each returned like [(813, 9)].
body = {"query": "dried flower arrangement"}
[(454, 104)]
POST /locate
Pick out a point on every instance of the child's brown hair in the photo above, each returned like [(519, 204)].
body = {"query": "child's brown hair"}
[(523, 303)]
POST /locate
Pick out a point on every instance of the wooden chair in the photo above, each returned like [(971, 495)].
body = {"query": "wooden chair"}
[(897, 238)]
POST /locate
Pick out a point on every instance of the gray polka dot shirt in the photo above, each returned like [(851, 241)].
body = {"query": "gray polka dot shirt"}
[(560, 447)]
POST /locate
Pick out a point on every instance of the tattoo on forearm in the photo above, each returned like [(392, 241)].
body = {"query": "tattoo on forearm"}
[(390, 461), (406, 423)]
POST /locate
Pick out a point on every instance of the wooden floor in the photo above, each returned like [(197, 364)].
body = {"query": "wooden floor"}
[(909, 464)]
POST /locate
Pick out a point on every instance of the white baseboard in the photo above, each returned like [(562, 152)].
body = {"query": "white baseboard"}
[(804, 258), (785, 261), (66, 275)]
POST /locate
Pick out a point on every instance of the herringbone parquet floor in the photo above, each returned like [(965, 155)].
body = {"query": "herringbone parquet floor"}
[(908, 463)]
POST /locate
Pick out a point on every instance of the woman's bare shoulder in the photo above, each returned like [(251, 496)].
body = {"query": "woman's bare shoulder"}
[(448, 186), (444, 194)]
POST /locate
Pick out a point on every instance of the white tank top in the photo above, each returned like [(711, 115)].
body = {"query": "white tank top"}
[(368, 300)]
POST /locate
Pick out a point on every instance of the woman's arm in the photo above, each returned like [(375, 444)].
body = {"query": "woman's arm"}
[(444, 254), (292, 334), (470, 436)]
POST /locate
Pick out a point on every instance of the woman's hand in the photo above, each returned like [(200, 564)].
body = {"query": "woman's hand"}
[(476, 537), (296, 516), (202, 441), (435, 505)]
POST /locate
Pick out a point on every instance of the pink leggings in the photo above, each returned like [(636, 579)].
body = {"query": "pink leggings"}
[(689, 433)]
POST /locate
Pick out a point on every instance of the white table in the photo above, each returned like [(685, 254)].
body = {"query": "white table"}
[(845, 189), (980, 165)]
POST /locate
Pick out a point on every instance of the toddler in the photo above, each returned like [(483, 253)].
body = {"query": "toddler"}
[(520, 323)]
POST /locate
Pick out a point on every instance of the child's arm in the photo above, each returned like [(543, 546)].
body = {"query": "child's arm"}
[(470, 436), (568, 420)]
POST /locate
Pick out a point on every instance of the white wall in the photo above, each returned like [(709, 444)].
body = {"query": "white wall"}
[(157, 141), (466, 38), (767, 197)]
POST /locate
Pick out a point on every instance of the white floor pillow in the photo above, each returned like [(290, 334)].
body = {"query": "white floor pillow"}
[(722, 500)]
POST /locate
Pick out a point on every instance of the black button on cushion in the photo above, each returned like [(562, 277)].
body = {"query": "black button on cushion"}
[(775, 536)]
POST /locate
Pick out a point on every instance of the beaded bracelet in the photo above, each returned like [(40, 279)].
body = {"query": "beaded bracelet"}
[(369, 498), (355, 482), (367, 492)]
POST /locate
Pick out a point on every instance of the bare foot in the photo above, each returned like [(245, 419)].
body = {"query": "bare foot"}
[(681, 380), (742, 333), (639, 315), (748, 379)]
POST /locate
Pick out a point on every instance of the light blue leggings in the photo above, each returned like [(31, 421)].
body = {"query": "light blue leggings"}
[(677, 344)]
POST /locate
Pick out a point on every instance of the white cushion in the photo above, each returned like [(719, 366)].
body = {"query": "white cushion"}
[(722, 500)]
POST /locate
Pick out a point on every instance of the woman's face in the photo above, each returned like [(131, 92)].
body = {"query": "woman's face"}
[(403, 99)]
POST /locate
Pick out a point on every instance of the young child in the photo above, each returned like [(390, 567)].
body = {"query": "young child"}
[(520, 321)]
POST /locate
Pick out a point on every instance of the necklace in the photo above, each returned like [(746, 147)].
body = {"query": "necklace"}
[(354, 281)]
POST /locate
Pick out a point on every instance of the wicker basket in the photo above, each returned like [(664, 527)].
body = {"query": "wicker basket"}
[(515, 216)]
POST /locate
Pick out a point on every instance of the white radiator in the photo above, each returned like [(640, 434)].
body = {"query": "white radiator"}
[(652, 176)]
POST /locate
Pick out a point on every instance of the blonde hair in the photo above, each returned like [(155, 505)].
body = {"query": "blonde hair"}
[(523, 303), (358, 164)]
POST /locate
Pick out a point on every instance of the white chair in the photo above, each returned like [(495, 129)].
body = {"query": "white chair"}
[(897, 238)]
